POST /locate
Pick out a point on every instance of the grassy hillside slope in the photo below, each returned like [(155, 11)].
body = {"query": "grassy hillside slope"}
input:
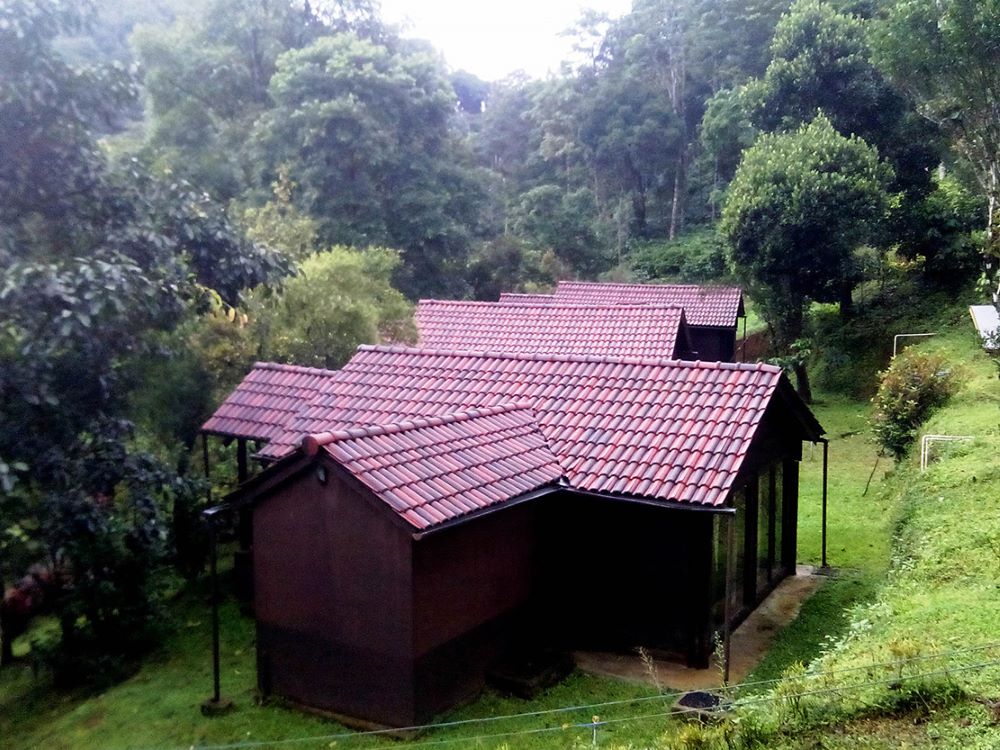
[(935, 621)]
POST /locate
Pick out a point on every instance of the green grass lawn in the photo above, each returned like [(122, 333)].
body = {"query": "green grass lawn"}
[(940, 593), (159, 706)]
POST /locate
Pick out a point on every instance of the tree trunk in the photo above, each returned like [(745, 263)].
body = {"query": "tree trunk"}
[(802, 382), (675, 203), (846, 300), (992, 254), (790, 331)]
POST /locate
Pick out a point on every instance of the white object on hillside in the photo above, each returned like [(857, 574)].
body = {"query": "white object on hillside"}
[(987, 321), (925, 445)]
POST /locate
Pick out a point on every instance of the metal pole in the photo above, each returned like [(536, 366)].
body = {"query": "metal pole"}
[(216, 705), (216, 693), (743, 357), (728, 607), (826, 447)]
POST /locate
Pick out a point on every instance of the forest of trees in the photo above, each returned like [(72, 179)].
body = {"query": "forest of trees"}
[(188, 185)]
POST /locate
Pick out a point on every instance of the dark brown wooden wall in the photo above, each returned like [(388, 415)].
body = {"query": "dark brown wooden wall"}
[(333, 600), (713, 344), (778, 439), (471, 588)]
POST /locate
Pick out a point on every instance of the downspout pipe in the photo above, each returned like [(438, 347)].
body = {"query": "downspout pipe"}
[(727, 616)]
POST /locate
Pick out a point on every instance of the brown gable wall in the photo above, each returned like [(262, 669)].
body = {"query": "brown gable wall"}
[(472, 586), (333, 600)]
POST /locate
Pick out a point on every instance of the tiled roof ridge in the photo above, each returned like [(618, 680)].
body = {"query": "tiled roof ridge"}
[(302, 369), (557, 305), (586, 358), (311, 443), (641, 284)]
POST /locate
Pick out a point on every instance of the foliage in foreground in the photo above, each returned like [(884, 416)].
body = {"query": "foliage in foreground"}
[(913, 385), (96, 264)]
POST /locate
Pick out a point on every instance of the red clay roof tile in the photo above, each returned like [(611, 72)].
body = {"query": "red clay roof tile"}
[(262, 403), (434, 469), (708, 306), (591, 411), (607, 330), (527, 299)]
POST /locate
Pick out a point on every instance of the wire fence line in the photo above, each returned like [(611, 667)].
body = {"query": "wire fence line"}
[(666, 696)]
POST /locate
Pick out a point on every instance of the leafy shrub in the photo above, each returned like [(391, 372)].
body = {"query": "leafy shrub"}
[(909, 389), (698, 256), (108, 540), (339, 298)]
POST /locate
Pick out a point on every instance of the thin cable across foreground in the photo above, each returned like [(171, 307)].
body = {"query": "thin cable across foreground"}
[(667, 696)]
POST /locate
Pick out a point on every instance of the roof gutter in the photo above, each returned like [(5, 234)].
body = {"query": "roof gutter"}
[(722, 510), (563, 486)]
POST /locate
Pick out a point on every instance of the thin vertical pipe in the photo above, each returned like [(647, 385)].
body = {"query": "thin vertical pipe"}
[(728, 607), (826, 449), (216, 694), (204, 456)]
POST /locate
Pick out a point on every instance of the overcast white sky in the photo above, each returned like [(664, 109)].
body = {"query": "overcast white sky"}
[(495, 38)]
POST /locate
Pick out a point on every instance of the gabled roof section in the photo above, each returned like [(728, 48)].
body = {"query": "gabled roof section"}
[(523, 298), (704, 306), (523, 328), (651, 428), (430, 470), (265, 399)]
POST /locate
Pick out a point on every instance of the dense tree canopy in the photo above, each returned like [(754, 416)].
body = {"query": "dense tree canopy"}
[(364, 130), (798, 207), (946, 55), (95, 261)]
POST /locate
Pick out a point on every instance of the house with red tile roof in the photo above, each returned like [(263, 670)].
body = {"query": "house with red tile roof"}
[(527, 328), (426, 511), (711, 312)]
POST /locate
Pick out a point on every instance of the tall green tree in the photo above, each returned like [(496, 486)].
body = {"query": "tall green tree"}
[(821, 60), (946, 56), (95, 262), (799, 205), (363, 129), (206, 80)]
